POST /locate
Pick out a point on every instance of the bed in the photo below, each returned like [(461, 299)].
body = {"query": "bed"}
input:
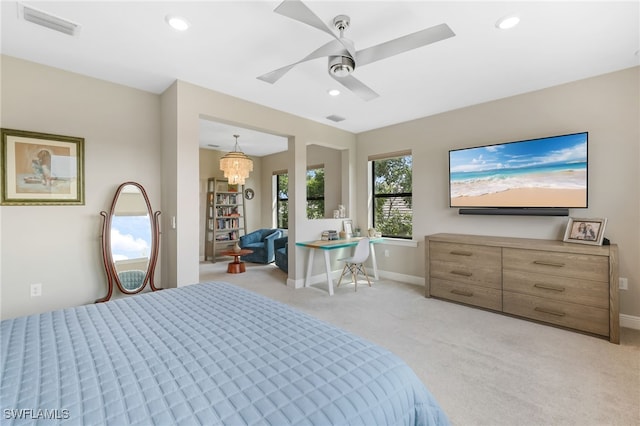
[(208, 353)]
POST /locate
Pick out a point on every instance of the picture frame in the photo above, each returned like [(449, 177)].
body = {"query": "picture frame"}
[(222, 186), (347, 225), (41, 169), (585, 231)]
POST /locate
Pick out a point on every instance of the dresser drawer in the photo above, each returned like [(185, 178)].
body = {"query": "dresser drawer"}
[(468, 254), (469, 294), (592, 320), (582, 292), (579, 266), (466, 263)]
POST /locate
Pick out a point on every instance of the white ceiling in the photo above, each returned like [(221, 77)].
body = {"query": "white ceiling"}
[(231, 43)]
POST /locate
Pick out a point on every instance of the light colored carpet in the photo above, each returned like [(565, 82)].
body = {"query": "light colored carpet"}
[(483, 368)]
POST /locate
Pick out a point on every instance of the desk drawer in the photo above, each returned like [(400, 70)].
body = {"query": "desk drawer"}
[(589, 319), (464, 293), (580, 266), (582, 292)]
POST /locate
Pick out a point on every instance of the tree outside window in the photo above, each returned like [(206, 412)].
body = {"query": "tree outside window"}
[(315, 196), (315, 193), (392, 196), (282, 207)]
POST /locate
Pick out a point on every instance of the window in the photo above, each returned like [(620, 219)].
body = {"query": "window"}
[(391, 185), (315, 192), (282, 200), (315, 195)]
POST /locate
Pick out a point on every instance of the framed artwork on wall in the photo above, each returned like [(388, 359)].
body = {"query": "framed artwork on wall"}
[(585, 231), (41, 169)]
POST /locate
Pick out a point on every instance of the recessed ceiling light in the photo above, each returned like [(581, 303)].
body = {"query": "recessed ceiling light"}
[(333, 92), (177, 22), (507, 22)]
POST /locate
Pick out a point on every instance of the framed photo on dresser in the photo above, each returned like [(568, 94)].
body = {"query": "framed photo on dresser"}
[(585, 231)]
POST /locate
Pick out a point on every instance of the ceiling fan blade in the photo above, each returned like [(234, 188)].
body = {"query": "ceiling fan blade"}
[(299, 11), (333, 48), (403, 44), (356, 86), (275, 75)]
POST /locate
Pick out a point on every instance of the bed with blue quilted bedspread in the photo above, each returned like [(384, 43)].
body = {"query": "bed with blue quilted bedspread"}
[(210, 354)]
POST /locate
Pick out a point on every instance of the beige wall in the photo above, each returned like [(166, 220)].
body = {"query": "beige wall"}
[(606, 106), (59, 246), (182, 192), (134, 135)]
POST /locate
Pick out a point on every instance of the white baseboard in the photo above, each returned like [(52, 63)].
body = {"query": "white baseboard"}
[(299, 283), (322, 278), (394, 276), (629, 321)]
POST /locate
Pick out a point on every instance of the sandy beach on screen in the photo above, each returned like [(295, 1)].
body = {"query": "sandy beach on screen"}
[(525, 197)]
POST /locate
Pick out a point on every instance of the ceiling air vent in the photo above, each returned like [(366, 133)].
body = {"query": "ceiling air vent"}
[(31, 14), (335, 118)]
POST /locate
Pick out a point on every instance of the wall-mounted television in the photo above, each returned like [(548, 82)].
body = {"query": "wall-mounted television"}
[(544, 173)]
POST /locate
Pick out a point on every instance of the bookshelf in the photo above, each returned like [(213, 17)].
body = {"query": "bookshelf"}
[(225, 217)]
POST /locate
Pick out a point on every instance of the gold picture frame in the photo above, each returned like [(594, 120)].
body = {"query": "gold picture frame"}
[(585, 231), (41, 169)]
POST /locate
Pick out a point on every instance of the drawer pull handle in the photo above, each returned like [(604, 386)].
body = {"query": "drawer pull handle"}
[(463, 273), (550, 312), (544, 263), (549, 287), (461, 253), (462, 292)]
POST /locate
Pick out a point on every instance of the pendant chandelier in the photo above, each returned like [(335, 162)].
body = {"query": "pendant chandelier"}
[(236, 165)]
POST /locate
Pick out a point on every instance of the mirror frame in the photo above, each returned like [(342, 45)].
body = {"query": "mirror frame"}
[(107, 257)]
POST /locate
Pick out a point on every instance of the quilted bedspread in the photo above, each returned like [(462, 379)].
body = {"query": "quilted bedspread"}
[(210, 354)]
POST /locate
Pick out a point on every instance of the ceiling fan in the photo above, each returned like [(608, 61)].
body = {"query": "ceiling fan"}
[(343, 57)]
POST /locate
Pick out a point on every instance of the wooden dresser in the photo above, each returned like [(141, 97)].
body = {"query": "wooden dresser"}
[(569, 285)]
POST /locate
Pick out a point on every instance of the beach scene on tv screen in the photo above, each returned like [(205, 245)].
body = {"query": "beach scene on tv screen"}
[(549, 172)]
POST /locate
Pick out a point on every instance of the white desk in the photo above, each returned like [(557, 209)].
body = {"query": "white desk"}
[(326, 247)]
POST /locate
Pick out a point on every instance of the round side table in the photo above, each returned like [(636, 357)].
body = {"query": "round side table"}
[(236, 267)]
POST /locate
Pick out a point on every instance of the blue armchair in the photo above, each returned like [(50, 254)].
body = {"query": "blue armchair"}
[(261, 242), (281, 247)]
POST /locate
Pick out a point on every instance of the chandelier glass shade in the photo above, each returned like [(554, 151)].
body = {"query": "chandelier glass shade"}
[(236, 165)]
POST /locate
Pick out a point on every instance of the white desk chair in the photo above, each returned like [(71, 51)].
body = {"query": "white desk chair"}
[(355, 263)]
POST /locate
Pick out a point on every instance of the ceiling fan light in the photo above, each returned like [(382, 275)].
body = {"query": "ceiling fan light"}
[(341, 66), (507, 22), (177, 22)]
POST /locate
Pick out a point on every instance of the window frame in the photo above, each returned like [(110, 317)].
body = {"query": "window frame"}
[(279, 199), (375, 197), (317, 197)]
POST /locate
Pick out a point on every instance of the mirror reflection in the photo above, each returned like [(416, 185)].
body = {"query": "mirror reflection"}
[(130, 239)]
